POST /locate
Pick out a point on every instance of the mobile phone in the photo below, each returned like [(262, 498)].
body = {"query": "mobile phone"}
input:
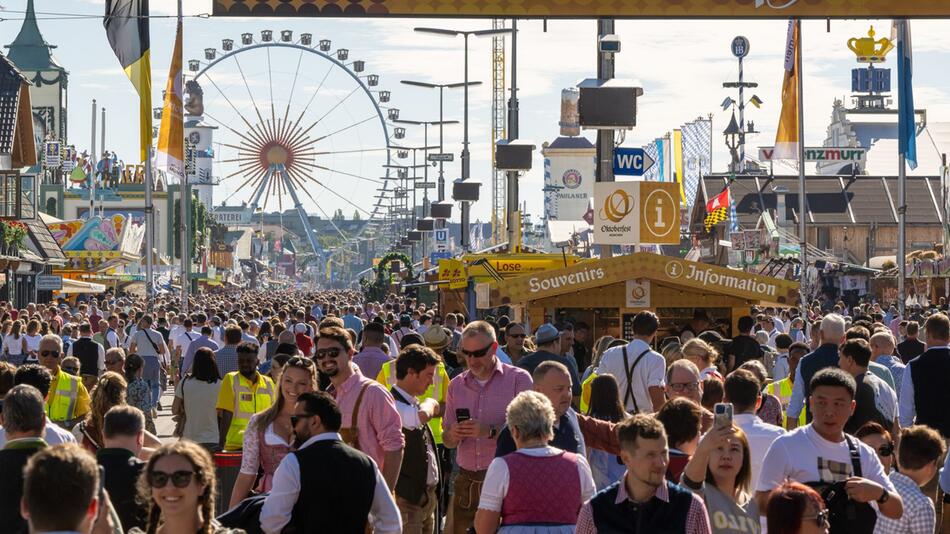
[(722, 415), (462, 415)]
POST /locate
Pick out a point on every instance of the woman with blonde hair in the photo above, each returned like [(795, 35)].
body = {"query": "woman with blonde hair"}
[(720, 471), (178, 485), (269, 436), (32, 338), (704, 356)]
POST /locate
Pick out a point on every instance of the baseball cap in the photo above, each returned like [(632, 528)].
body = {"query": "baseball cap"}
[(546, 334)]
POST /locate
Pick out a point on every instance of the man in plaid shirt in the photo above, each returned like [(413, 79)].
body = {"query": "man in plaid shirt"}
[(920, 450)]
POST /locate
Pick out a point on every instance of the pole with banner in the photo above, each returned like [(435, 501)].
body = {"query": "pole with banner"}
[(907, 145)]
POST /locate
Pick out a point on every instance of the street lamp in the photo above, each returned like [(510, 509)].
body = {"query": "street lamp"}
[(733, 137), (441, 87), (466, 157)]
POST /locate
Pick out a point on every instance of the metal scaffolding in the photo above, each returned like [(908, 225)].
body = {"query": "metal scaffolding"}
[(498, 132)]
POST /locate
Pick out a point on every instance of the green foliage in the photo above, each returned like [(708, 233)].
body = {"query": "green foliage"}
[(13, 233), (201, 224), (379, 288)]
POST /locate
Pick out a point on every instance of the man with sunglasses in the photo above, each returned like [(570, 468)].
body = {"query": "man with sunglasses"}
[(475, 413), (325, 485), (68, 401), (514, 348), (371, 422)]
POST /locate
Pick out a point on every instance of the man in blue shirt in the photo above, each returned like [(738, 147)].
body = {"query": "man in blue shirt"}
[(352, 321)]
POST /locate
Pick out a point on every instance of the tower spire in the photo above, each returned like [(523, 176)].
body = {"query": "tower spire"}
[(29, 51)]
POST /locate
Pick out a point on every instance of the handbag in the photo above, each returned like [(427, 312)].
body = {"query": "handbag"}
[(844, 514), (180, 418)]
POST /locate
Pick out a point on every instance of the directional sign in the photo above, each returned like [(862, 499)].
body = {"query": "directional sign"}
[(631, 161), (49, 282), (442, 157), (434, 257), (441, 237)]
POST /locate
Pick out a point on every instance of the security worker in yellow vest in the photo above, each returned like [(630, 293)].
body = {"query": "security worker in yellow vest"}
[(243, 393), (584, 403), (783, 388), (68, 400)]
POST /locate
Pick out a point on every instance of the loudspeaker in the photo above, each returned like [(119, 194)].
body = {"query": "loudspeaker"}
[(465, 191), (414, 236), (608, 104), (440, 210), (513, 155), (425, 225)]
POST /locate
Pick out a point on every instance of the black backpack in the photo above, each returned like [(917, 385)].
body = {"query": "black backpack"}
[(844, 514)]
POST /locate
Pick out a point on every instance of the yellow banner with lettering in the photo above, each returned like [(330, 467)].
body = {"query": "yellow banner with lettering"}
[(731, 9), (453, 272)]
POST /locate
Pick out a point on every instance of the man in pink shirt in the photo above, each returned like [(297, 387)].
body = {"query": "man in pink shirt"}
[(371, 422), (474, 413)]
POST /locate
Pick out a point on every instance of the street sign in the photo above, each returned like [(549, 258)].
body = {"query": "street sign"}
[(434, 257), (441, 238), (445, 157), (49, 282), (825, 153), (631, 161), (740, 47), (426, 185), (453, 271)]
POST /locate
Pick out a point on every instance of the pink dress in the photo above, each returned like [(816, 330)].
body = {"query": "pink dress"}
[(259, 454)]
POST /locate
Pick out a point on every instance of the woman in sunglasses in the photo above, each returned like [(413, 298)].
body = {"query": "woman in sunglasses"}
[(795, 508), (178, 483), (269, 436), (880, 440)]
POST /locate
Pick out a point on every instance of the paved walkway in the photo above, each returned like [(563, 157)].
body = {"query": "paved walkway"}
[(164, 424)]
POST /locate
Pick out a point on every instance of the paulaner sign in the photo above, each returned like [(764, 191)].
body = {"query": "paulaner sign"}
[(855, 154)]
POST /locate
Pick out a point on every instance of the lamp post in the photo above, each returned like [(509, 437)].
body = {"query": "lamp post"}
[(466, 159), (733, 137), (441, 87)]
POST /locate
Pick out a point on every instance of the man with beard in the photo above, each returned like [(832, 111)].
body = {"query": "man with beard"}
[(643, 496), (325, 485), (243, 393), (371, 422)]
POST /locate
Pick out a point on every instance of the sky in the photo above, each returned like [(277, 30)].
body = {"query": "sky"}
[(679, 64)]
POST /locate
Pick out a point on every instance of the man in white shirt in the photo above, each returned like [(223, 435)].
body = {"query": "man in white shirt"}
[(417, 485), (339, 488), (820, 452), (646, 369), (743, 391)]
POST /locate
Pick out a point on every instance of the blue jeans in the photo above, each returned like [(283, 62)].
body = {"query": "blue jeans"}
[(155, 386)]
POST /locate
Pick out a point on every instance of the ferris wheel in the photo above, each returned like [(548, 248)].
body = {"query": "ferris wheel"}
[(301, 124)]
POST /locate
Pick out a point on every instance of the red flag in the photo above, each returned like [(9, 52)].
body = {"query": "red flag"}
[(719, 201)]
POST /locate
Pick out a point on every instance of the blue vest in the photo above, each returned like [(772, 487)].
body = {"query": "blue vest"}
[(652, 517), (824, 356)]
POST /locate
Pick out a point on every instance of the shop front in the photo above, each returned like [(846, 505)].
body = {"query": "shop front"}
[(607, 293)]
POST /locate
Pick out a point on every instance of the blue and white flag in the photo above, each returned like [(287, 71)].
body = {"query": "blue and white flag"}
[(907, 124)]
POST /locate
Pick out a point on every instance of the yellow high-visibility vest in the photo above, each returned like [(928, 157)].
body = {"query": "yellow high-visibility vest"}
[(249, 399), (585, 392), (65, 401), (437, 390), (784, 394)]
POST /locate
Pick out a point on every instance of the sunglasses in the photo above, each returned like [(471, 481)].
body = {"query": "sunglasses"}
[(886, 450), (820, 519), (71, 370), (324, 353), (476, 353), (49, 353), (180, 479), (297, 417)]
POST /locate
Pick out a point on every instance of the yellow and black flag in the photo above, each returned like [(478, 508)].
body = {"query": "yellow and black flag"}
[(126, 23)]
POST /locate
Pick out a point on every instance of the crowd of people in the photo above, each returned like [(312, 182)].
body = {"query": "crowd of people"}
[(338, 415)]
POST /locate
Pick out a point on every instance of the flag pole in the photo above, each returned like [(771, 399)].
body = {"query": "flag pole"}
[(185, 211), (901, 232), (802, 218)]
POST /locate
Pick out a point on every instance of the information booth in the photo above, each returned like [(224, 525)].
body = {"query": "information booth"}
[(607, 293)]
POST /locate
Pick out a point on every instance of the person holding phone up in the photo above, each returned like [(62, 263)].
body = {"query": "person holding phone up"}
[(475, 412)]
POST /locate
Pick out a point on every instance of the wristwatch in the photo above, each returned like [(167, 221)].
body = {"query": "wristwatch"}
[(884, 496), (492, 432)]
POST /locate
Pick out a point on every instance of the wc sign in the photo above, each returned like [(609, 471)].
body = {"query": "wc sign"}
[(631, 161)]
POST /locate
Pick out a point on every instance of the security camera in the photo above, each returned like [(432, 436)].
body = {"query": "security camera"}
[(610, 44)]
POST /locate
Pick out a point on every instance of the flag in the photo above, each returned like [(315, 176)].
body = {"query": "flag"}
[(717, 209), (786, 138), (678, 162), (697, 155), (170, 155), (126, 24), (907, 124)]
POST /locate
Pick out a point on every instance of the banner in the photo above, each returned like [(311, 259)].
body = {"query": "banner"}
[(907, 123), (126, 24), (729, 9), (697, 156), (171, 135), (786, 138), (678, 162)]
